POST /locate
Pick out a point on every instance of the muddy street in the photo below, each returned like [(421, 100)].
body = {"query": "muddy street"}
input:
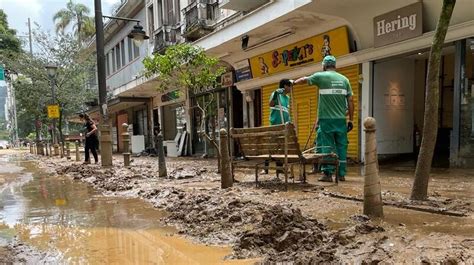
[(66, 212), (55, 219)]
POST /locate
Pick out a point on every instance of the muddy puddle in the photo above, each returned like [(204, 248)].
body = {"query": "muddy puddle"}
[(76, 224)]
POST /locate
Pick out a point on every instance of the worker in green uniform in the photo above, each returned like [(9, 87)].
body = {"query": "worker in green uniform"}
[(335, 98), (280, 107), (280, 103)]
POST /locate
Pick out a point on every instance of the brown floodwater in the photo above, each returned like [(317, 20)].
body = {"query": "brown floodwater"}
[(79, 225)]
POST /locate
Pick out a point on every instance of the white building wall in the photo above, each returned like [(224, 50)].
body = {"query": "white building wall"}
[(133, 68)]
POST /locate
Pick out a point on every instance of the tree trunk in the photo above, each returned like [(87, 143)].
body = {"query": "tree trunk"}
[(79, 29), (37, 128), (430, 125), (60, 125), (37, 131), (60, 129)]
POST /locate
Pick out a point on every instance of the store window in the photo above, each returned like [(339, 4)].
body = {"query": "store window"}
[(140, 124), (209, 116)]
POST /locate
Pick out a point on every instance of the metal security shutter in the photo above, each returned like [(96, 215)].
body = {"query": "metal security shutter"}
[(352, 73), (304, 109)]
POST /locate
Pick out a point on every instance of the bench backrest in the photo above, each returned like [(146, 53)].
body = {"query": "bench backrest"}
[(269, 140)]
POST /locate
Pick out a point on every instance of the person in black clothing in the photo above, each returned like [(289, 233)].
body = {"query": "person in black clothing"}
[(91, 138)]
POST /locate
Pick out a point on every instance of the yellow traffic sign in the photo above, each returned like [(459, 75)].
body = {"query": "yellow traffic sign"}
[(53, 111)]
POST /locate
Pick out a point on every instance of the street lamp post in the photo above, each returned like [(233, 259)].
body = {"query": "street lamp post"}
[(52, 69), (104, 127)]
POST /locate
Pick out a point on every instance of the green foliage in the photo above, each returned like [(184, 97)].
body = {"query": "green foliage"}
[(30, 136), (184, 66), (8, 39), (77, 15), (4, 135), (33, 85)]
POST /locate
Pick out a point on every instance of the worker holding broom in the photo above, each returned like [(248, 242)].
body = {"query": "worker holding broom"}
[(335, 98), (280, 108)]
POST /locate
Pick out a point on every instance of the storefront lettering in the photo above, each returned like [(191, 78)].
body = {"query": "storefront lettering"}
[(200, 90), (397, 24), (307, 51), (170, 96), (293, 55)]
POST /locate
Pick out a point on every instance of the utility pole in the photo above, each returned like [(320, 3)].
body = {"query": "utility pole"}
[(29, 36), (53, 92), (104, 127), (52, 70), (138, 35)]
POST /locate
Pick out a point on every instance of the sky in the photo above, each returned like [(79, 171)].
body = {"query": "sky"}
[(41, 12)]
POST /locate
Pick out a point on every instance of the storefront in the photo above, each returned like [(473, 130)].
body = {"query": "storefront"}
[(304, 97), (399, 89), (132, 111), (214, 109), (169, 119), (209, 115)]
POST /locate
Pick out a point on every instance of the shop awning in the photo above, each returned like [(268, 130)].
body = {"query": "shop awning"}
[(114, 105)]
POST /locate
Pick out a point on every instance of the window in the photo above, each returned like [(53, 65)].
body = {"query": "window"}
[(117, 56), (160, 13), (107, 64), (140, 126), (114, 66), (212, 11), (136, 50), (122, 50), (130, 49), (151, 20), (177, 11)]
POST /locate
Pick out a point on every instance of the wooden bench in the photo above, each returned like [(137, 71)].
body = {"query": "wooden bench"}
[(275, 144)]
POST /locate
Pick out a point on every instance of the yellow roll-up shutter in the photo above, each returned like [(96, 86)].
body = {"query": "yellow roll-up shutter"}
[(352, 73), (304, 110)]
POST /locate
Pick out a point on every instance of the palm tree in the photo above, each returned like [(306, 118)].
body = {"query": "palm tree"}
[(78, 14), (88, 28)]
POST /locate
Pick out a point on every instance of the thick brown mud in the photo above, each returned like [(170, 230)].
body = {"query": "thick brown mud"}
[(301, 225)]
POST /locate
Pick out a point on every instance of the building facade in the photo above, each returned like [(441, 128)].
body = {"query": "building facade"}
[(384, 54), (124, 70)]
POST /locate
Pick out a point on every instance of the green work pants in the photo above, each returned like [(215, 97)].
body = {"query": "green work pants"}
[(332, 137)]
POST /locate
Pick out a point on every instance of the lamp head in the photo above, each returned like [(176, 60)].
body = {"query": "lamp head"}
[(138, 35), (51, 69)]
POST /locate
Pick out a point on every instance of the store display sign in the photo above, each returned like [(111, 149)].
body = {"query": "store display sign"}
[(311, 50), (398, 25), (243, 71), (227, 79)]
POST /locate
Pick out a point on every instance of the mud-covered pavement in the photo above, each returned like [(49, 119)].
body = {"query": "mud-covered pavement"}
[(303, 225)]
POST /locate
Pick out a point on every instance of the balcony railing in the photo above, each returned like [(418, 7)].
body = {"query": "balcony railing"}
[(200, 17), (164, 37)]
